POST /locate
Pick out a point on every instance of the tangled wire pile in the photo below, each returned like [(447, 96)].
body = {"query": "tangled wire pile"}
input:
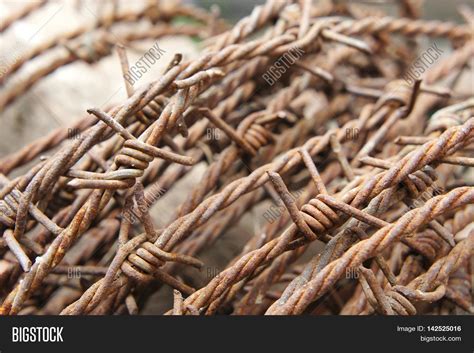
[(321, 111)]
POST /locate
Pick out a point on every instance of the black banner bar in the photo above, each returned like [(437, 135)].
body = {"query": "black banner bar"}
[(219, 333)]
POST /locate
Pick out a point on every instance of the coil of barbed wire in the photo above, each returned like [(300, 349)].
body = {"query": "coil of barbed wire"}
[(308, 121)]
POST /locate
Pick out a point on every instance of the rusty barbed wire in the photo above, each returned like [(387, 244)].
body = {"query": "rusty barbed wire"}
[(315, 126)]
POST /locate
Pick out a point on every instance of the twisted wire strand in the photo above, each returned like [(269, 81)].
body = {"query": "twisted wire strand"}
[(252, 260), (85, 215), (376, 207), (223, 89), (405, 26), (368, 248), (342, 241), (282, 146), (431, 286), (407, 273)]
